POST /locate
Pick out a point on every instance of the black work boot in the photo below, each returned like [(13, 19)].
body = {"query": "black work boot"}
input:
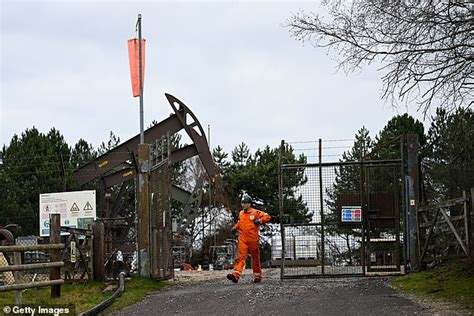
[(256, 280), (232, 277)]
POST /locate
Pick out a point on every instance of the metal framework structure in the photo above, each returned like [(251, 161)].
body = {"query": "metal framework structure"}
[(354, 221), (120, 165)]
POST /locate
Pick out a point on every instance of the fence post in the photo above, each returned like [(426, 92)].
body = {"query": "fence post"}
[(280, 206), (17, 275), (470, 226), (321, 202), (143, 223), (98, 251), (55, 238), (412, 203)]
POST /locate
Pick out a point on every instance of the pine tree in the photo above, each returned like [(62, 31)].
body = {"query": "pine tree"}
[(346, 191)]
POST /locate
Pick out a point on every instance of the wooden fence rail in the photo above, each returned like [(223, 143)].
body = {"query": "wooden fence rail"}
[(54, 265), (453, 225)]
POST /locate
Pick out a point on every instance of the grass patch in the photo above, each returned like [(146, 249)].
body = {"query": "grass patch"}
[(86, 295), (452, 281)]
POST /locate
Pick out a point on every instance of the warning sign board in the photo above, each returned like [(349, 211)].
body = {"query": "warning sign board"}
[(74, 208), (77, 209), (350, 214), (88, 207)]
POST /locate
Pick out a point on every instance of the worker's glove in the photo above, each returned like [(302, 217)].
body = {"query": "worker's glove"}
[(257, 222)]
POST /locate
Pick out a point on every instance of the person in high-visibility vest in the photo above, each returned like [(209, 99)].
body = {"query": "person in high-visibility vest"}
[(249, 240)]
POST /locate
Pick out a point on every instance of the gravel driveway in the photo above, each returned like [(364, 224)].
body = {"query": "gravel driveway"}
[(209, 293)]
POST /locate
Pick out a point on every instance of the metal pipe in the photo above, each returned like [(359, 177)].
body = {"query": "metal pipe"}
[(102, 306), (7, 236), (140, 78), (281, 212), (321, 202)]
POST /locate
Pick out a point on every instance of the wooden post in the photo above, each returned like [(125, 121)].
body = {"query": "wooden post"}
[(98, 251), (412, 203), (470, 226), (467, 218), (17, 274), (143, 225), (55, 238)]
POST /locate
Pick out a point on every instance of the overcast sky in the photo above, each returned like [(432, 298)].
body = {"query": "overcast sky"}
[(65, 65)]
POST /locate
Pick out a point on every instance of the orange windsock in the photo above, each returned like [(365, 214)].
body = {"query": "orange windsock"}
[(133, 54)]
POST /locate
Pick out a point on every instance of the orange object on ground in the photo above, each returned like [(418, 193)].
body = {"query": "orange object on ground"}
[(187, 267), (133, 54), (249, 241)]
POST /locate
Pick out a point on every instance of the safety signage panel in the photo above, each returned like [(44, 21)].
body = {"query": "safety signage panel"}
[(77, 209), (351, 214)]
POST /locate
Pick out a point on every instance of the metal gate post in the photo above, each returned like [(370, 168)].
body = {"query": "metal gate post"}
[(321, 201), (404, 204), (280, 205), (397, 219), (365, 217), (168, 203), (143, 215), (470, 226), (412, 205)]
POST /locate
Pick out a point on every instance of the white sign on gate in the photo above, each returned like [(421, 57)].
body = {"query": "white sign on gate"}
[(77, 209)]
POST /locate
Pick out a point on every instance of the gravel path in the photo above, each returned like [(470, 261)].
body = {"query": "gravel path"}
[(209, 293)]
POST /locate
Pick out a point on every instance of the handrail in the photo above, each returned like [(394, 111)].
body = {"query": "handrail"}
[(22, 248)]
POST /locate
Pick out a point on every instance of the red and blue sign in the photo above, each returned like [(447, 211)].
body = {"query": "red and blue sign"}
[(351, 214)]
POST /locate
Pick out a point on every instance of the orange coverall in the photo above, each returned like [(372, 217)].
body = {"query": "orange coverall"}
[(249, 240)]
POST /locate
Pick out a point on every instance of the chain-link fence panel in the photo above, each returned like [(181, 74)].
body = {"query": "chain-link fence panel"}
[(162, 263), (120, 239), (9, 258), (338, 216)]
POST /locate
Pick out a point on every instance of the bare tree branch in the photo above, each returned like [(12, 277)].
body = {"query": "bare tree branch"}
[(426, 47)]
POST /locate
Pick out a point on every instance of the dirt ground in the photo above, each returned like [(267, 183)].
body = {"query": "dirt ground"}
[(209, 293)]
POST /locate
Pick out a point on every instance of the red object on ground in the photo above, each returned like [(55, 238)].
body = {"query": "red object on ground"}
[(187, 267)]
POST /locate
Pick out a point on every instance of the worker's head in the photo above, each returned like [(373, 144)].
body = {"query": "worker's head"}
[(246, 201)]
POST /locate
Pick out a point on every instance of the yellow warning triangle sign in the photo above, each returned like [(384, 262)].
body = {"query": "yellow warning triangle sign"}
[(88, 207), (75, 208)]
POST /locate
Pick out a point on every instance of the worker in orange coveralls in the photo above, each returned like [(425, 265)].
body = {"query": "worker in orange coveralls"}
[(249, 221)]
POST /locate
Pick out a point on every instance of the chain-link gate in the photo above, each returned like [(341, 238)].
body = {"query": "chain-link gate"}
[(161, 257), (120, 245), (340, 218), (383, 190)]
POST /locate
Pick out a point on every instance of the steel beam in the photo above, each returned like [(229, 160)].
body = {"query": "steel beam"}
[(183, 118), (184, 153), (191, 206), (123, 152), (180, 194), (119, 201), (195, 131), (123, 175), (129, 172)]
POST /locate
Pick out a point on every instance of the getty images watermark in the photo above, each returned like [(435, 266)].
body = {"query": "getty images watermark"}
[(39, 310)]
